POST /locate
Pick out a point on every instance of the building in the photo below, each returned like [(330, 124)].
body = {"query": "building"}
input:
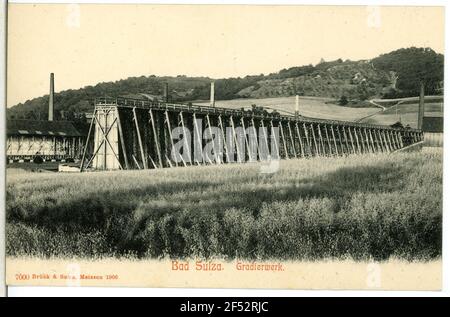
[(433, 128), (50, 140)]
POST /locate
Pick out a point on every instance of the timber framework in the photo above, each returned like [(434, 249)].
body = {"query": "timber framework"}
[(137, 134)]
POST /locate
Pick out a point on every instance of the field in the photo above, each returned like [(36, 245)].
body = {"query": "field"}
[(407, 113), (358, 207), (314, 107), (321, 108)]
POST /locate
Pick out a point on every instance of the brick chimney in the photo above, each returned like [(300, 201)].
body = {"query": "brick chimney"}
[(50, 98)]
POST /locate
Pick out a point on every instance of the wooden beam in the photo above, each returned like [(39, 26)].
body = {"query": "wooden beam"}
[(300, 140), (87, 140), (324, 152), (351, 140), (135, 161), (141, 147), (156, 138), (316, 148), (388, 146), (328, 140), (357, 141), (341, 142), (275, 140), (334, 140), (286, 153), (308, 140), (257, 143), (400, 138), (186, 145), (375, 149), (363, 144), (250, 158), (225, 146), (292, 139), (198, 136), (216, 157), (236, 141), (265, 139), (122, 140)]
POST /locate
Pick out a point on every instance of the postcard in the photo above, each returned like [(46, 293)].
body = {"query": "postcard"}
[(224, 146)]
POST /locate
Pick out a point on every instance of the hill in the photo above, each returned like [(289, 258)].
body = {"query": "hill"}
[(392, 75)]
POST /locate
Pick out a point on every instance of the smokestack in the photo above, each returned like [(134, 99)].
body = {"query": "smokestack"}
[(166, 92), (50, 98), (212, 95), (296, 106), (421, 106)]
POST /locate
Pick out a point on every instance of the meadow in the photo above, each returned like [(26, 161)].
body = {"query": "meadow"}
[(403, 109), (314, 107), (359, 207), (406, 113)]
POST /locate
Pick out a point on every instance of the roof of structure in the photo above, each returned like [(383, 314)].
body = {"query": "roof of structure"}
[(41, 128)]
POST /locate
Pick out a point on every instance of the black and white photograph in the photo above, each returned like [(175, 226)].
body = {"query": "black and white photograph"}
[(224, 146)]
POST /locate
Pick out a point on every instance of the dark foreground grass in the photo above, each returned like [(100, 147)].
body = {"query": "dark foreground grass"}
[(362, 207)]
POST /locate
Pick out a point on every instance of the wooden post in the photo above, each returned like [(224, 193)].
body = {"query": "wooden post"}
[(250, 158), (391, 142), (216, 158), (317, 152), (169, 128), (334, 141), (328, 140), (286, 153), (357, 140), (341, 142), (387, 141), (135, 161), (225, 146), (421, 106), (308, 140), (394, 140), (292, 139), (274, 139), (257, 143), (399, 137), (87, 140), (324, 152), (141, 147), (368, 146), (374, 147), (351, 140), (300, 140), (156, 137), (382, 142), (122, 140), (363, 145), (187, 146), (235, 140), (198, 135), (265, 138)]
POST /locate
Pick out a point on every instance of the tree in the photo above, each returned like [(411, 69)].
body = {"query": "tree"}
[(343, 100)]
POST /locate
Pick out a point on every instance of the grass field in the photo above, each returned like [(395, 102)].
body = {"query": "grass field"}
[(321, 108), (314, 107), (362, 207), (407, 113)]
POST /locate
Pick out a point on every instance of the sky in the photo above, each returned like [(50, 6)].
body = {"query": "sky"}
[(87, 44)]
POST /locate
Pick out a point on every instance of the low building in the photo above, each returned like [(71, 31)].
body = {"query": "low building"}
[(50, 140), (433, 128)]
